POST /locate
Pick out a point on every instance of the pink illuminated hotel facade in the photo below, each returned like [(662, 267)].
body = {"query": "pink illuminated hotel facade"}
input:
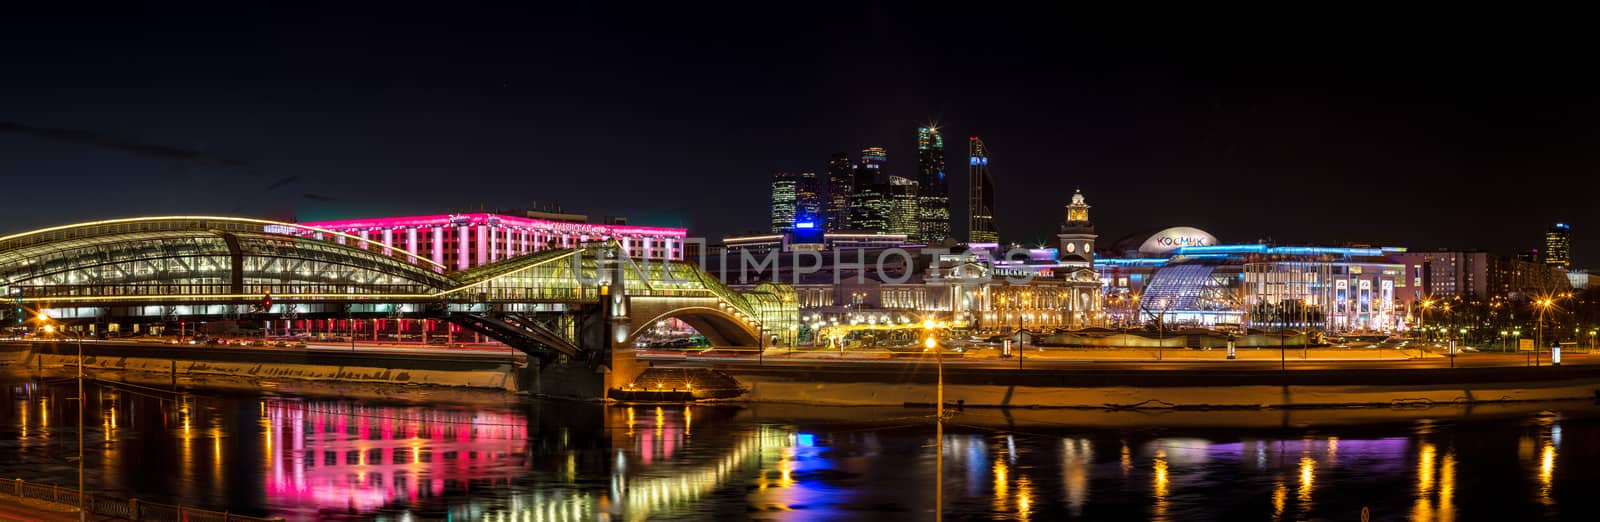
[(462, 241)]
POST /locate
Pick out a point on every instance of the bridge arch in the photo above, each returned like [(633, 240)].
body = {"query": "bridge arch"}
[(719, 326)]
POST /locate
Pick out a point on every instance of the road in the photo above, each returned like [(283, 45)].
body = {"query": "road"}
[(1292, 363)]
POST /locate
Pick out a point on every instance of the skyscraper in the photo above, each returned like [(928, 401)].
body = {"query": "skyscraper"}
[(808, 199), (934, 190), (841, 183), (980, 204), (1557, 246), (870, 170), (904, 206), (869, 204), (783, 188), (869, 208)]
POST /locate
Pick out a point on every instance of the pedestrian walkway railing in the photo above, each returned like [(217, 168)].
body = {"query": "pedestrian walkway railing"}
[(124, 508)]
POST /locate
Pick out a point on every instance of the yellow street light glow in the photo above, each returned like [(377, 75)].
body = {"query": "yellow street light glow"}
[(49, 328), (930, 343), (44, 316)]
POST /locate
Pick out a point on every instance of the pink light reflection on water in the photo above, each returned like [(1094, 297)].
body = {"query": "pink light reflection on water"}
[(383, 459)]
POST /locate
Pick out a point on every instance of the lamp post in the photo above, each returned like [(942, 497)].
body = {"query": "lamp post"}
[(1422, 324), (44, 320), (1538, 334), (794, 337), (1460, 338), (1283, 348), (938, 420), (1305, 333), (1161, 329)]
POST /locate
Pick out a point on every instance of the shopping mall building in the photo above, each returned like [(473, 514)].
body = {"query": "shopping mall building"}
[(1184, 275)]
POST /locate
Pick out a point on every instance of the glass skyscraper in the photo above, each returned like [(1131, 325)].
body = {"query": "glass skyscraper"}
[(933, 189), (841, 184), (869, 204), (808, 199), (1557, 246), (904, 206), (783, 201), (980, 203)]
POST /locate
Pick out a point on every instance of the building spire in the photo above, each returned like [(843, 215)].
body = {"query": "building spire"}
[(1077, 211)]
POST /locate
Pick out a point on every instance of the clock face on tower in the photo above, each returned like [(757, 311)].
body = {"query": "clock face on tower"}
[(1072, 248), (1086, 248)]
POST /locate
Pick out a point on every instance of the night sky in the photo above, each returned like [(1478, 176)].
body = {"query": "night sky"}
[(1421, 132)]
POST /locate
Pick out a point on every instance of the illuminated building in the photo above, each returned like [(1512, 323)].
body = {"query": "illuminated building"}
[(1475, 274), (904, 207), (1557, 246), (980, 200), (783, 201), (1184, 276), (870, 201), (871, 168), (841, 183), (794, 241), (461, 241), (1076, 254), (870, 208), (934, 197), (879, 278), (808, 204)]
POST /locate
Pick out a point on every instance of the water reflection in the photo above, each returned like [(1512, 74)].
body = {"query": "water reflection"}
[(358, 458), (1160, 485), (525, 461), (1077, 456)]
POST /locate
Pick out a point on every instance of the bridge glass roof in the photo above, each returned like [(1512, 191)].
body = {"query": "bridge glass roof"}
[(190, 263)]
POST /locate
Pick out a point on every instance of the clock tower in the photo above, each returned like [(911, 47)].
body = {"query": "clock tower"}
[(1077, 234)]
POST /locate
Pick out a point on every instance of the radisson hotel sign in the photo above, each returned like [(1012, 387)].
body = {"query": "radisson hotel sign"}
[(1170, 239)]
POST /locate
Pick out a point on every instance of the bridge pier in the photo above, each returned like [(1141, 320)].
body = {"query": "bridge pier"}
[(571, 379), (576, 379)]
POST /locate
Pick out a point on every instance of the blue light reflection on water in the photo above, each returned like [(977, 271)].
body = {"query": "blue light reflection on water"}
[(311, 458)]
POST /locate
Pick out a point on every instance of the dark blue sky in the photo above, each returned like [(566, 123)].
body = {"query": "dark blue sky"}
[(1423, 132)]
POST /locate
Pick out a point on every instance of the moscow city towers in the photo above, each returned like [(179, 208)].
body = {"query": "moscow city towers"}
[(861, 196), (933, 197), (980, 201)]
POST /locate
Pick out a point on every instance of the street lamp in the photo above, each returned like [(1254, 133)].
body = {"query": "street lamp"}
[(45, 324), (1161, 328), (938, 356), (1305, 327), (794, 337), (1423, 322), (938, 419), (1544, 305)]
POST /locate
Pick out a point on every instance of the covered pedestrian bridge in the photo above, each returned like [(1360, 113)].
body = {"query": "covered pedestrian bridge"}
[(566, 301)]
